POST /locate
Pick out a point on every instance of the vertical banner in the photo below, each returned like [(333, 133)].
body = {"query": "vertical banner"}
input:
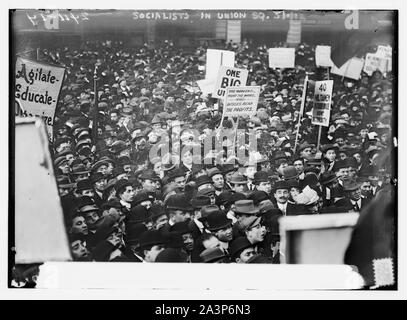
[(37, 90), (322, 102), (234, 31), (215, 59), (323, 56), (294, 32), (229, 77), (281, 57)]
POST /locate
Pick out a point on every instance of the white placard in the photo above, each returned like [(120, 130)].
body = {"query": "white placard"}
[(229, 77), (281, 57), (374, 62), (322, 102), (215, 59), (351, 69), (37, 89), (206, 85), (241, 101), (384, 52), (323, 56)]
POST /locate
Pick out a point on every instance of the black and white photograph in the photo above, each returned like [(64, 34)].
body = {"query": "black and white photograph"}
[(158, 144)]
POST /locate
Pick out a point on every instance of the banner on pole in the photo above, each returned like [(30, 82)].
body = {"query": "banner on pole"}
[(323, 56), (351, 69), (281, 57), (241, 101), (322, 102), (215, 59), (229, 77), (37, 90)]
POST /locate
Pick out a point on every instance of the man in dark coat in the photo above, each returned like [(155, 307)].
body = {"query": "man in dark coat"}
[(281, 194)]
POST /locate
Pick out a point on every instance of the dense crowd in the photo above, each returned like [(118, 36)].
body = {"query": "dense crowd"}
[(122, 202)]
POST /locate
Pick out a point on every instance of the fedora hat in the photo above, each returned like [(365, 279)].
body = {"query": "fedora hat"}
[(245, 207), (238, 179), (208, 210), (212, 255), (201, 180)]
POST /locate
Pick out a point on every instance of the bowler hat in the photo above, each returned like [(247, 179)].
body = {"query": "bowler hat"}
[(133, 232), (97, 177), (212, 255), (329, 146), (207, 210), (178, 202), (290, 172), (238, 245), (171, 255), (141, 197), (258, 196), (176, 173), (228, 168), (281, 184), (261, 176), (181, 227), (340, 164), (201, 180), (138, 214), (151, 238), (246, 207), (217, 221), (328, 177), (149, 175), (201, 201), (214, 171), (84, 185)]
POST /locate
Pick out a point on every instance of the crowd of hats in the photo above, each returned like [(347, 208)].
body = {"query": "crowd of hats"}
[(145, 93)]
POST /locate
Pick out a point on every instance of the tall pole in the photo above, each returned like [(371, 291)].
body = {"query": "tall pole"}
[(304, 96), (96, 109)]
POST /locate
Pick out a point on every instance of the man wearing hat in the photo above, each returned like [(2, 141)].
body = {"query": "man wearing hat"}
[(239, 183), (253, 230), (79, 172), (151, 243), (99, 182), (241, 250), (262, 182), (329, 152), (178, 209), (158, 216), (199, 203), (340, 169), (214, 255), (305, 150), (85, 188), (149, 179), (228, 170), (329, 181), (78, 248), (281, 194), (218, 181), (177, 177), (353, 198), (221, 227), (62, 165), (183, 229)]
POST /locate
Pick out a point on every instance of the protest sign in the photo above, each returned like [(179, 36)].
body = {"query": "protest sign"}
[(281, 57), (37, 90), (215, 59), (384, 52), (206, 85), (229, 77), (351, 69), (241, 101), (374, 62), (323, 56), (322, 102)]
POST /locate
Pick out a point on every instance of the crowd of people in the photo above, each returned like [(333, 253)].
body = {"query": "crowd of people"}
[(120, 203)]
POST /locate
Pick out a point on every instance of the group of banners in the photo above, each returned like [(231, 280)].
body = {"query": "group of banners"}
[(37, 85)]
